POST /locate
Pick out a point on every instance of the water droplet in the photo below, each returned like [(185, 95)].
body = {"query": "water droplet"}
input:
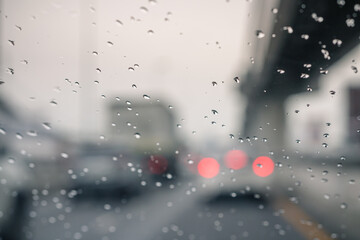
[(214, 112), (288, 29), (343, 206), (350, 22), (352, 181), (326, 54), (309, 89), (64, 155), (12, 43), (297, 111), (46, 125), (326, 135), (323, 72), (231, 136), (134, 86), (325, 172), (19, 136), (317, 18), (304, 75), (178, 125), (190, 161), (342, 158), (98, 70), (95, 53), (146, 97), (10, 71), (325, 145), (332, 92), (281, 71), (53, 103), (337, 42), (24, 62), (298, 141), (259, 34), (137, 135), (110, 44), (31, 133), (305, 36), (214, 83), (150, 32), (2, 131), (354, 69), (170, 106), (252, 60), (328, 124), (274, 10), (131, 69), (259, 165), (119, 22), (237, 79), (144, 9)]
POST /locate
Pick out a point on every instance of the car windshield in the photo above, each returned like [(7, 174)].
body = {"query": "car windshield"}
[(196, 120)]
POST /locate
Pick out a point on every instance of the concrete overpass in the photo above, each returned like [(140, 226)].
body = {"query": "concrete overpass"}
[(305, 39)]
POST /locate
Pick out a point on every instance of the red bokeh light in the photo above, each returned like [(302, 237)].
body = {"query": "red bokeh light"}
[(157, 164), (236, 159), (208, 167), (263, 166)]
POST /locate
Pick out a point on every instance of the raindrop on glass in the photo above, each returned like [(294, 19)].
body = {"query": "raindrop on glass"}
[(354, 69), (144, 9), (259, 34), (46, 125), (304, 75), (119, 22)]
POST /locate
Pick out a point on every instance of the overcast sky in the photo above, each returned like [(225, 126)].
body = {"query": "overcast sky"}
[(177, 49)]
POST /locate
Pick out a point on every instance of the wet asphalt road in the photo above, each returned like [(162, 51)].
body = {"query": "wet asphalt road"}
[(160, 213)]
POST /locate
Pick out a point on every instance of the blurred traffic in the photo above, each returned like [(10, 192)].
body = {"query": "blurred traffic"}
[(156, 120)]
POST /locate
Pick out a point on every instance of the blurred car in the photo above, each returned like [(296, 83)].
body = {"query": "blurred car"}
[(236, 171), (105, 169)]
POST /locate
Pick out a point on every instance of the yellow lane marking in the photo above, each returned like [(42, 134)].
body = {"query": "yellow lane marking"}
[(302, 222)]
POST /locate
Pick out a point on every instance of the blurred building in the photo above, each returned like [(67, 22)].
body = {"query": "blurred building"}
[(327, 121)]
